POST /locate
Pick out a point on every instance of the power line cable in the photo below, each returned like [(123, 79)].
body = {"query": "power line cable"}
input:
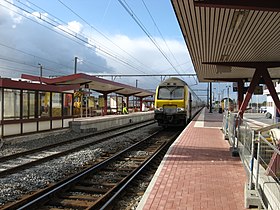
[(35, 56), (79, 38), (138, 22), (107, 38), (159, 32), (63, 22)]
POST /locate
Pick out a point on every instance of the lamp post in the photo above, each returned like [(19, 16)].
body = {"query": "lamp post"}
[(41, 72), (75, 65)]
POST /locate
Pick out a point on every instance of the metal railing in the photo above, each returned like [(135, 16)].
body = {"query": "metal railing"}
[(261, 159)]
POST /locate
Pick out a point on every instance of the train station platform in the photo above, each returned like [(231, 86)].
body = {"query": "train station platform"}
[(98, 123), (198, 171)]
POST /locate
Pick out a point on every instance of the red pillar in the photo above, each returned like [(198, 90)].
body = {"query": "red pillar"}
[(273, 165), (261, 71), (141, 103), (250, 91), (105, 103), (271, 88), (127, 102)]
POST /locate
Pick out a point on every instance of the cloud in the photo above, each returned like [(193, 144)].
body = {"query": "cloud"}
[(147, 59), (21, 37), (55, 46)]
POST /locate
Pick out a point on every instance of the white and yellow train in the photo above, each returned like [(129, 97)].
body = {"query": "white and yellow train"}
[(175, 103)]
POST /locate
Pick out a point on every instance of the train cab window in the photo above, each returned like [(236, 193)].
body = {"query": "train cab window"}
[(171, 92)]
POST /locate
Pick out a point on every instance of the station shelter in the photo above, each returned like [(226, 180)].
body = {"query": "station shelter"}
[(113, 94), (35, 104), (32, 107), (234, 41)]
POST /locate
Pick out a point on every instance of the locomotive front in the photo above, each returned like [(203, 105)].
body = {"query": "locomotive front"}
[(171, 103)]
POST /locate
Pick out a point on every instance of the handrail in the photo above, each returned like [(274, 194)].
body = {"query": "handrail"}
[(258, 156)]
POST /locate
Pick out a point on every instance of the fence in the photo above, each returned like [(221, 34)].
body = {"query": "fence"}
[(261, 158)]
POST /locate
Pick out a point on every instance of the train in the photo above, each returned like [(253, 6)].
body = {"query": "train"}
[(175, 103)]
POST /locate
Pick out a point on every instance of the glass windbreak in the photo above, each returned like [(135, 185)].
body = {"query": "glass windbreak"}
[(67, 104), (28, 106), (171, 92), (44, 104), (56, 104), (11, 104)]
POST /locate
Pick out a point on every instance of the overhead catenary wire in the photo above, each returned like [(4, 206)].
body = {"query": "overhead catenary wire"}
[(50, 61), (94, 28), (32, 55), (68, 32), (102, 34), (12, 60), (153, 20), (143, 28)]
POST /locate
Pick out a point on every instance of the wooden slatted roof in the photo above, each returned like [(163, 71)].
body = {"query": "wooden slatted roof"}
[(218, 32)]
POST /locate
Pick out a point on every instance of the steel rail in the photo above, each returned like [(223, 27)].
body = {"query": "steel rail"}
[(19, 154), (44, 195), (76, 148), (136, 173)]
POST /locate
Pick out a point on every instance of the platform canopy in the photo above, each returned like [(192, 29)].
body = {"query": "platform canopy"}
[(94, 83), (229, 39)]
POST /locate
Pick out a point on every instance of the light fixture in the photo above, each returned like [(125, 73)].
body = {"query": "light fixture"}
[(238, 19), (223, 69), (224, 57)]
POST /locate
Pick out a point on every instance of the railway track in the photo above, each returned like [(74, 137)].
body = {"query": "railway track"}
[(20, 161), (98, 186)]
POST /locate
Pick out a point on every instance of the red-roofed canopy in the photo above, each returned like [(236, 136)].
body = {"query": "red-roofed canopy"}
[(94, 83)]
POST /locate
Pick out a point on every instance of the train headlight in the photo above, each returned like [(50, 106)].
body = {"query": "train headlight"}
[(159, 109), (180, 109)]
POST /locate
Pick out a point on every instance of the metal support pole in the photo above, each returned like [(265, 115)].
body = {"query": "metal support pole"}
[(41, 72), (210, 94), (86, 102), (258, 161), (238, 130), (81, 108), (235, 152), (252, 161), (75, 65)]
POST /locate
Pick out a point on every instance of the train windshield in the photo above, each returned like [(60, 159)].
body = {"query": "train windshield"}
[(171, 92)]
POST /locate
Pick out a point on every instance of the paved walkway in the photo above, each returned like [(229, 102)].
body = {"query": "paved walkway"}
[(198, 172)]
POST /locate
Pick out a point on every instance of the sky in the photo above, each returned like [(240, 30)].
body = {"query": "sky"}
[(108, 37)]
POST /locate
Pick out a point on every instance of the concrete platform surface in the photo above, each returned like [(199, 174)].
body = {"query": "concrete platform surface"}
[(98, 123), (198, 172)]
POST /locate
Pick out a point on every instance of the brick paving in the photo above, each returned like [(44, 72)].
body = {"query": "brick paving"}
[(198, 172)]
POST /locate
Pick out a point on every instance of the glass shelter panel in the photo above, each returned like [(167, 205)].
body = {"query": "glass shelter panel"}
[(11, 104), (56, 104), (44, 104), (28, 106), (67, 104)]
